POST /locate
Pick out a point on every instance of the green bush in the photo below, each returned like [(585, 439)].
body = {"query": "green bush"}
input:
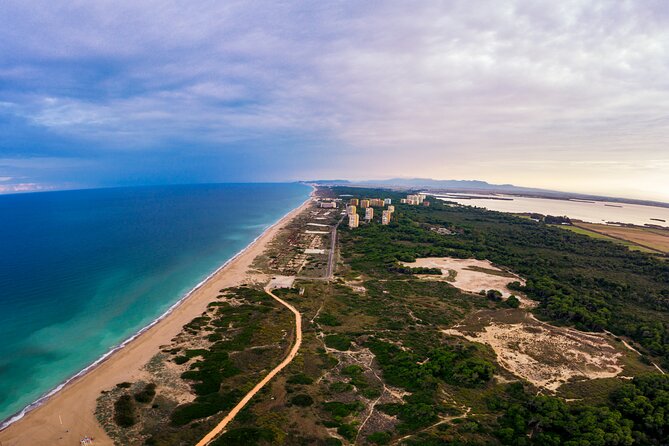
[(379, 438), (181, 359), (125, 413), (338, 342), (245, 436), (147, 394), (299, 378), (302, 400), (328, 319)]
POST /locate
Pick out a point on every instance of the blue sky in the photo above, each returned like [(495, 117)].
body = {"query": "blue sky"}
[(570, 95)]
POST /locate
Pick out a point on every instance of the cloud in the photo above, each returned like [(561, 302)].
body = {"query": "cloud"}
[(480, 90)]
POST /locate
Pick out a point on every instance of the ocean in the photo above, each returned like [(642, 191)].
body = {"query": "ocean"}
[(82, 271)]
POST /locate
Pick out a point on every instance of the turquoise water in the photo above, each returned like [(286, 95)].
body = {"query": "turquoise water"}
[(81, 271)]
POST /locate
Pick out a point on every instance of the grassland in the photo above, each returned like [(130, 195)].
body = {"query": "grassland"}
[(601, 236), (651, 239)]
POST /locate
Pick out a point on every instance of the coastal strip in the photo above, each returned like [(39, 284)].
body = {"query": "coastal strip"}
[(66, 414)]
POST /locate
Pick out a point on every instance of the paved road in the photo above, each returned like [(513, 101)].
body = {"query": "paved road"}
[(333, 248), (291, 355)]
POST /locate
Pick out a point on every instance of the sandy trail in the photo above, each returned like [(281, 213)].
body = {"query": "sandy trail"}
[(69, 415), (244, 401)]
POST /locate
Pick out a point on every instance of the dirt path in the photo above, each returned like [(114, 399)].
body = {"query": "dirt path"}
[(293, 352)]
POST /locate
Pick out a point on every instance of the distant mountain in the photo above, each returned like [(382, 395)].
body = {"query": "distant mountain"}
[(477, 186), (463, 185), (327, 182)]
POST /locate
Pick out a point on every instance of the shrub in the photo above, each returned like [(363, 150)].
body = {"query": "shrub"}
[(512, 302), (245, 436), (299, 378), (302, 400), (125, 413), (338, 342), (147, 394), (379, 438), (328, 319)]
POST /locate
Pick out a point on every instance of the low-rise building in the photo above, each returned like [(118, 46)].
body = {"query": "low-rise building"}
[(353, 221), (329, 204), (403, 201)]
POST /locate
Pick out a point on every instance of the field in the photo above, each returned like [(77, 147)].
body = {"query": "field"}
[(649, 238)]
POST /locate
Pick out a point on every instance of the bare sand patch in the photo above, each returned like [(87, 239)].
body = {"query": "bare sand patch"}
[(545, 355), (471, 275)]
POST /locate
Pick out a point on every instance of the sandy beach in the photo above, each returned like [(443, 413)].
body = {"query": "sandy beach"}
[(68, 416)]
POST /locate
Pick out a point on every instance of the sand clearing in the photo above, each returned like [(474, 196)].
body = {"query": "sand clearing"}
[(545, 355), (467, 278), (69, 415)]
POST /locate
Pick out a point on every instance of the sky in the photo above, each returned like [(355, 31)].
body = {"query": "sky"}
[(567, 95)]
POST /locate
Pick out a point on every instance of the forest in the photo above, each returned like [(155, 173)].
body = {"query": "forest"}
[(591, 284)]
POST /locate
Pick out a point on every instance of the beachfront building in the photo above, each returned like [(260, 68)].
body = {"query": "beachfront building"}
[(385, 217), (376, 202), (329, 204), (353, 220), (364, 203), (353, 202), (387, 201), (369, 214)]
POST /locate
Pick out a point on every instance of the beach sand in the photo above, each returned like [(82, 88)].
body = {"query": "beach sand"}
[(68, 416)]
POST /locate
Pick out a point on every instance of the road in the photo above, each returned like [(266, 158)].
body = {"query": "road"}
[(291, 355), (333, 248)]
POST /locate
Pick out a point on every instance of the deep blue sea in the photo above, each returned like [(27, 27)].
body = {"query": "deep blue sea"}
[(81, 271)]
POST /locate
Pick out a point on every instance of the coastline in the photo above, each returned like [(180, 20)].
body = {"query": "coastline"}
[(46, 421)]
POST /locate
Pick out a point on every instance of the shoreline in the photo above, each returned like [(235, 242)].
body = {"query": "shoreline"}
[(176, 310)]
